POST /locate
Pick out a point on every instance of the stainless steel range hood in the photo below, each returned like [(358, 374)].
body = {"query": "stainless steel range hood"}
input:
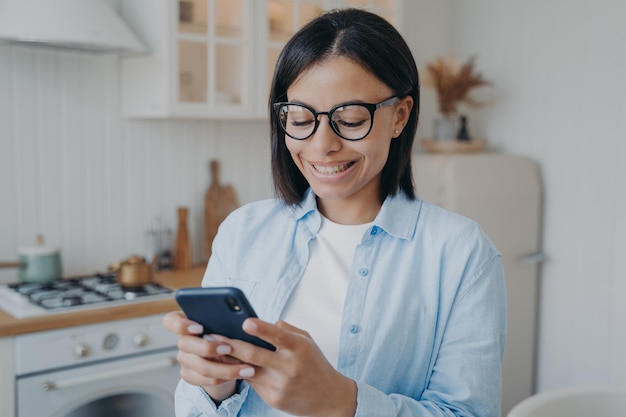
[(78, 25)]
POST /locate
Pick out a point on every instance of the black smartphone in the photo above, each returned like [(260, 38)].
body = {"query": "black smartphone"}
[(220, 310)]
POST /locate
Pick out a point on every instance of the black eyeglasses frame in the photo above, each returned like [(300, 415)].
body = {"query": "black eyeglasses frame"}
[(371, 107)]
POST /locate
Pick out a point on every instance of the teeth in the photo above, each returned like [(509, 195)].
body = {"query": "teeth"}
[(332, 169)]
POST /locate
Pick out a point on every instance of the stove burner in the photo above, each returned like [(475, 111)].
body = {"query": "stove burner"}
[(99, 288), (74, 300)]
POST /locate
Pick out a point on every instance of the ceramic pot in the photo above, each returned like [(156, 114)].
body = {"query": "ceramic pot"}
[(37, 264)]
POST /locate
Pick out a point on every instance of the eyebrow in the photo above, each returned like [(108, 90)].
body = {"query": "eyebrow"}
[(344, 103)]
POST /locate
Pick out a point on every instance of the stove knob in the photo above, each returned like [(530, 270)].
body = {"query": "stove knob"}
[(110, 341), (140, 340), (81, 350)]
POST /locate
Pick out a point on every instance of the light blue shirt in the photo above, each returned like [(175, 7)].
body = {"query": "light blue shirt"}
[(424, 322)]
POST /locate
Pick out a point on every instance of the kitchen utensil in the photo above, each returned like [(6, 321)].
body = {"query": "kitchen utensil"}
[(182, 253), (133, 272), (219, 201), (38, 263)]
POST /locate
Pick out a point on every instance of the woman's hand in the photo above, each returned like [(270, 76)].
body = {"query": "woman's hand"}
[(296, 378), (204, 360)]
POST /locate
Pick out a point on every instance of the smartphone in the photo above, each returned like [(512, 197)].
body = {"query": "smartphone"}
[(220, 310)]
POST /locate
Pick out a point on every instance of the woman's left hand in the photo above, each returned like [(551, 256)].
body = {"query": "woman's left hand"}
[(296, 378)]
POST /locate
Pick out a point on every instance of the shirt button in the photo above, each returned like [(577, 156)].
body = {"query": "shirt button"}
[(354, 329), (374, 231), (363, 272)]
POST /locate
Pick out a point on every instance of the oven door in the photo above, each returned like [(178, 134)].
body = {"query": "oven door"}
[(138, 386)]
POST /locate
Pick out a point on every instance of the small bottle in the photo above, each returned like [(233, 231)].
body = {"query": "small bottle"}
[(182, 253), (463, 133)]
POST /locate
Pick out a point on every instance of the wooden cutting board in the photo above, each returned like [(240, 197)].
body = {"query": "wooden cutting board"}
[(219, 201)]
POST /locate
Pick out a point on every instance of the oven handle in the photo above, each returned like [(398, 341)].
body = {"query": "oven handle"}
[(70, 382)]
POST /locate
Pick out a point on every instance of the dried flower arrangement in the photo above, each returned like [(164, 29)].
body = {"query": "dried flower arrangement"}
[(453, 83)]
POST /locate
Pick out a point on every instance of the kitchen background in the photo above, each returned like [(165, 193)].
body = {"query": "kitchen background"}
[(93, 182)]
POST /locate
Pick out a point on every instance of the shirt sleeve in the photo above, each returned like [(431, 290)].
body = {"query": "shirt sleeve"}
[(193, 401), (466, 378)]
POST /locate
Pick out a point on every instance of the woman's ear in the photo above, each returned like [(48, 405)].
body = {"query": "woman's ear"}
[(402, 114)]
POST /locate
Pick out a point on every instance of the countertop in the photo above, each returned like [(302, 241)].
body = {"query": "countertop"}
[(11, 326)]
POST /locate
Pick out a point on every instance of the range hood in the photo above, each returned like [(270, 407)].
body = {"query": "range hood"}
[(77, 25)]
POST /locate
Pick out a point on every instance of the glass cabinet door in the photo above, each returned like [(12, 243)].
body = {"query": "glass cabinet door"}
[(229, 53), (211, 51), (192, 50), (192, 71), (285, 17)]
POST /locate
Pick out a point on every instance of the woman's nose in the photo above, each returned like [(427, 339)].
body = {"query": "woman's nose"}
[(325, 139)]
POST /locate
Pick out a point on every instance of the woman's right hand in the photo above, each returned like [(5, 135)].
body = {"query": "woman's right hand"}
[(204, 361)]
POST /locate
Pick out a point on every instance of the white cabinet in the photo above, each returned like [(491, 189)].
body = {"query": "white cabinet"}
[(200, 60), (7, 378), (214, 58)]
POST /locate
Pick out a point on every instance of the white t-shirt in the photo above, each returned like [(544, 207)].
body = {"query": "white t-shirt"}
[(316, 305)]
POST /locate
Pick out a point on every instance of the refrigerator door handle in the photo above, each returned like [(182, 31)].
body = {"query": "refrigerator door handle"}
[(533, 258)]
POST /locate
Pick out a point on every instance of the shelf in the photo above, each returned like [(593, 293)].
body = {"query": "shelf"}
[(453, 146)]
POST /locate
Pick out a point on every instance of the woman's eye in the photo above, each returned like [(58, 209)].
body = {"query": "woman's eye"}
[(350, 124), (301, 123)]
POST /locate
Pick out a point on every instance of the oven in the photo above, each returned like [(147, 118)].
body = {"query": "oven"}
[(124, 368)]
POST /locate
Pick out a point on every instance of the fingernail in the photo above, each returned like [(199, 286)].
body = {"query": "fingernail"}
[(223, 349), (194, 328), (246, 372), (209, 338), (249, 325)]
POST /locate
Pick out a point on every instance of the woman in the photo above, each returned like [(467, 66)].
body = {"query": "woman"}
[(378, 303)]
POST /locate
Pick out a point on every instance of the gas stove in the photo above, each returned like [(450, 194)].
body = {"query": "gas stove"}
[(65, 295)]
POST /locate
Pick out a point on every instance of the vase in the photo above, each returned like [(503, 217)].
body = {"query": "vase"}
[(446, 127)]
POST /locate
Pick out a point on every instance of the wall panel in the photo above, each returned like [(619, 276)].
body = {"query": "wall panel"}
[(559, 86), (94, 183)]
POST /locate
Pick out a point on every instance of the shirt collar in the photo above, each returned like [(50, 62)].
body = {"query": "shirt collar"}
[(307, 212), (398, 215)]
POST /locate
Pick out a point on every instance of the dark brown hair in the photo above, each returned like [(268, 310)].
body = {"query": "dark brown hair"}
[(375, 44)]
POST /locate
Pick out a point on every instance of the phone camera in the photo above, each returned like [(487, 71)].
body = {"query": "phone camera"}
[(233, 304)]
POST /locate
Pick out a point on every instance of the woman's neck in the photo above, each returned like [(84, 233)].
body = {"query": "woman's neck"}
[(349, 212)]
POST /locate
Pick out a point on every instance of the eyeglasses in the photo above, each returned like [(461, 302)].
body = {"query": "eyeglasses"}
[(350, 121)]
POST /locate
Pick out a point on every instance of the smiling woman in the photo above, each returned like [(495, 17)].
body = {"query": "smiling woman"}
[(354, 279), (342, 161)]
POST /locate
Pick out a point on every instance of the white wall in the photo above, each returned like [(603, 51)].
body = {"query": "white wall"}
[(559, 74), (92, 182)]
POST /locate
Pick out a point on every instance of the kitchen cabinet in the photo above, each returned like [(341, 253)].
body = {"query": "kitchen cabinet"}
[(7, 390), (214, 59)]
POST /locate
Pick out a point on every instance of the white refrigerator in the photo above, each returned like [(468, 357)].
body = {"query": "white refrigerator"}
[(503, 193)]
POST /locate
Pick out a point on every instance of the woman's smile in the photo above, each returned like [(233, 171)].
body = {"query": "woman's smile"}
[(330, 169)]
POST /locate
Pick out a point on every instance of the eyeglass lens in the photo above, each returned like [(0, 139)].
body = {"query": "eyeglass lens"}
[(351, 122)]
